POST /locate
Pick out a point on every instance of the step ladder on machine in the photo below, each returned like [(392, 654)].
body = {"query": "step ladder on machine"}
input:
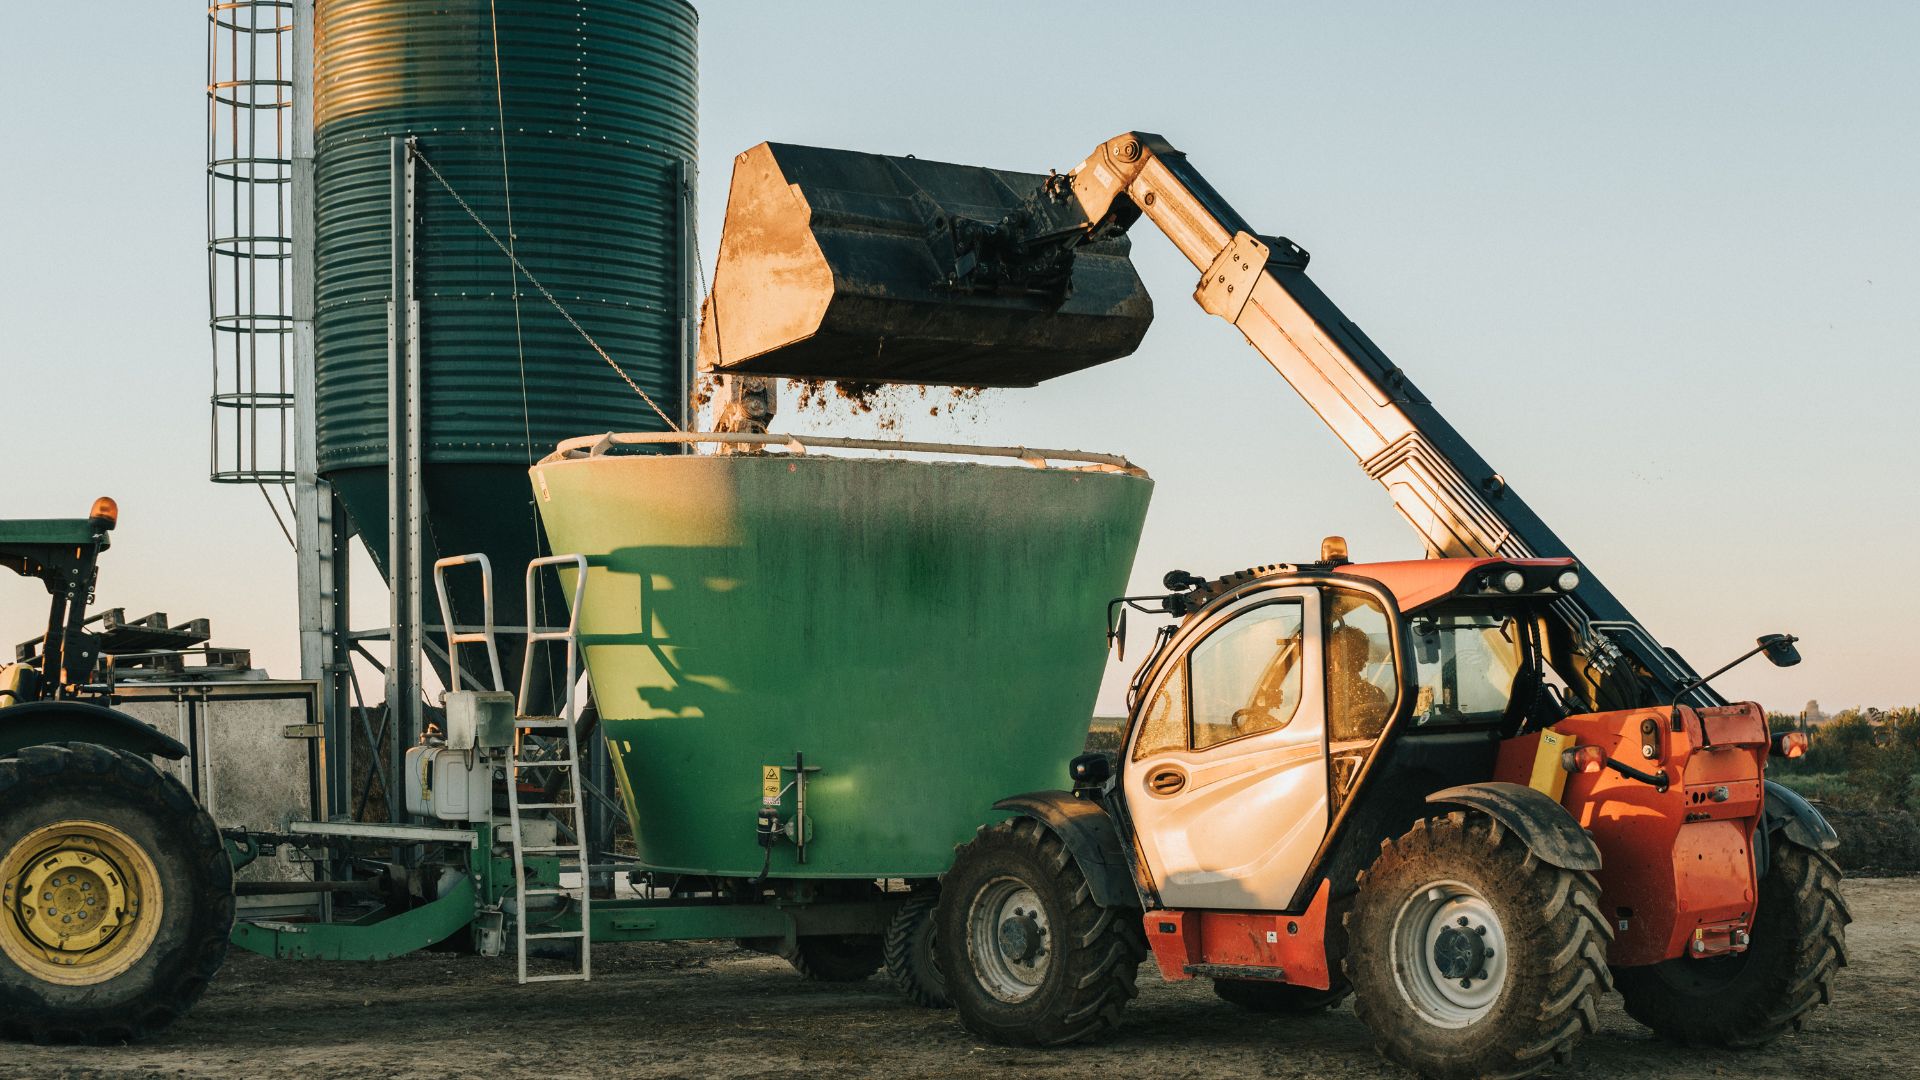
[(568, 795), (567, 798)]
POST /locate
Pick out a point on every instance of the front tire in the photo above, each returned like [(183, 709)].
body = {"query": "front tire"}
[(1029, 958), (116, 896), (1753, 998), (1469, 957)]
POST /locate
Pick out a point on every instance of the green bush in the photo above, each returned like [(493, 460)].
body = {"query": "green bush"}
[(1864, 758)]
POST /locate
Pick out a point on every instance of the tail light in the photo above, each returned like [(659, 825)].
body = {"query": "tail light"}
[(1790, 744), (1584, 759)]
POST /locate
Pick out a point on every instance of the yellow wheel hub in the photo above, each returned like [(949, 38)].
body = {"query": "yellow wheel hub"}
[(80, 902)]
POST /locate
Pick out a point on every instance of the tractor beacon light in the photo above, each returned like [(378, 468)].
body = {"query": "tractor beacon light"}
[(1334, 550), (104, 515), (1584, 759), (1790, 744)]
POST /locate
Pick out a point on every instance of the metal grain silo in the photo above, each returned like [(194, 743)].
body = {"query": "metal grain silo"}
[(570, 130)]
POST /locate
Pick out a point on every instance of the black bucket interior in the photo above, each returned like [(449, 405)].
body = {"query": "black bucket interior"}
[(861, 267)]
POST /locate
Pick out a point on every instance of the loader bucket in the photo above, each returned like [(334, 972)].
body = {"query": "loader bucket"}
[(841, 265)]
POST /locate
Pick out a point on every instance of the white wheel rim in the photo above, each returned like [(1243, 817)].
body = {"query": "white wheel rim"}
[(1449, 954), (1009, 939)]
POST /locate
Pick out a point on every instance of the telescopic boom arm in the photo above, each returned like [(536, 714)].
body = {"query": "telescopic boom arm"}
[(1456, 501), (839, 264)]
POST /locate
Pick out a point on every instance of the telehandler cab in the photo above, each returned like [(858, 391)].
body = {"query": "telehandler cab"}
[(1472, 791)]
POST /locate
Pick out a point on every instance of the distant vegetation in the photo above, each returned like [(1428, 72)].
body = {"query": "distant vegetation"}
[(1861, 759)]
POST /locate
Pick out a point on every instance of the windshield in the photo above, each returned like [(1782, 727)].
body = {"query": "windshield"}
[(1466, 661)]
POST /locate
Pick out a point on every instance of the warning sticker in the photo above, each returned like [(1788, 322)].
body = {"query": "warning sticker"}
[(769, 781)]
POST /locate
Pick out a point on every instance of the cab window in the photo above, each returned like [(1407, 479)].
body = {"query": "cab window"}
[(1246, 676), (1466, 662), (1165, 726), (1361, 684)]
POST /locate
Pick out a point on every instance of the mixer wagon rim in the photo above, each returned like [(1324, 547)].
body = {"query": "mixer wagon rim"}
[(593, 446)]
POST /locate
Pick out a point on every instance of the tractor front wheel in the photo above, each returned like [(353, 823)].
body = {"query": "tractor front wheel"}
[(1469, 957), (116, 896), (1029, 958), (1749, 999)]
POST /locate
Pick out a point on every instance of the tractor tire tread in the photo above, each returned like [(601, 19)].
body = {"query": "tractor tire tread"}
[(1568, 933), (910, 954), (135, 780), (1102, 967), (1777, 1000)]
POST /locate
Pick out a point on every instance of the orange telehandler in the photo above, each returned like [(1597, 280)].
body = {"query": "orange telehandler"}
[(1472, 791)]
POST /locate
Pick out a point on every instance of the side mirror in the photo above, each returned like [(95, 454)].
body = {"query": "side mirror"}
[(1780, 650), (1090, 769)]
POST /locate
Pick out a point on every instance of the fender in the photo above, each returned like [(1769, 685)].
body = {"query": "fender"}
[(1091, 836), (1788, 812), (40, 722), (1543, 824)]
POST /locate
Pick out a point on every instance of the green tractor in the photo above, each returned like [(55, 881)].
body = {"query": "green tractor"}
[(116, 891)]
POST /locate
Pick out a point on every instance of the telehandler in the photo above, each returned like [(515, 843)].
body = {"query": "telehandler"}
[(1472, 791)]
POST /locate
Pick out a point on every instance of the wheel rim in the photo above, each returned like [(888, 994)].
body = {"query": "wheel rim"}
[(1449, 954), (1009, 939), (80, 902)]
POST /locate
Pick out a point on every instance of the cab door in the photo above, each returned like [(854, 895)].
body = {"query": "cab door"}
[(1225, 771)]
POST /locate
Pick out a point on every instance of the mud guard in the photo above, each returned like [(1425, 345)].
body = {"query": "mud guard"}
[(1543, 824), (39, 722), (1091, 837), (1787, 811)]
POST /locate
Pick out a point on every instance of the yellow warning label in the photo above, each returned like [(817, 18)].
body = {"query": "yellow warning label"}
[(769, 781), (1548, 777)]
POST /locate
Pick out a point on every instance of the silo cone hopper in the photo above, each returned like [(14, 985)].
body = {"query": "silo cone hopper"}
[(843, 265)]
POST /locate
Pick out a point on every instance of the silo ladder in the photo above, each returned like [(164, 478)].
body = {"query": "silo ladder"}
[(567, 792)]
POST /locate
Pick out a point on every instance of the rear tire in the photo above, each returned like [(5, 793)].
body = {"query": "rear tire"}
[(910, 952), (1471, 958), (92, 833), (1029, 958), (1799, 941), (1279, 999)]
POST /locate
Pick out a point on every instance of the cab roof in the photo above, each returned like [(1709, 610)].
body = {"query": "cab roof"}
[(1416, 583)]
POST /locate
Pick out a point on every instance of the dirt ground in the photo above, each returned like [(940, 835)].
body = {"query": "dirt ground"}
[(710, 1010)]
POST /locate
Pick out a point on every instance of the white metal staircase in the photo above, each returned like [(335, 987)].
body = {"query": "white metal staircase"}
[(566, 800)]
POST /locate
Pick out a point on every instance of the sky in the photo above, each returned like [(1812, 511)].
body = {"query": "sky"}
[(1658, 265)]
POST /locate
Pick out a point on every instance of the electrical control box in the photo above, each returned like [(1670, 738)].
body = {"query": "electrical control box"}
[(449, 784)]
